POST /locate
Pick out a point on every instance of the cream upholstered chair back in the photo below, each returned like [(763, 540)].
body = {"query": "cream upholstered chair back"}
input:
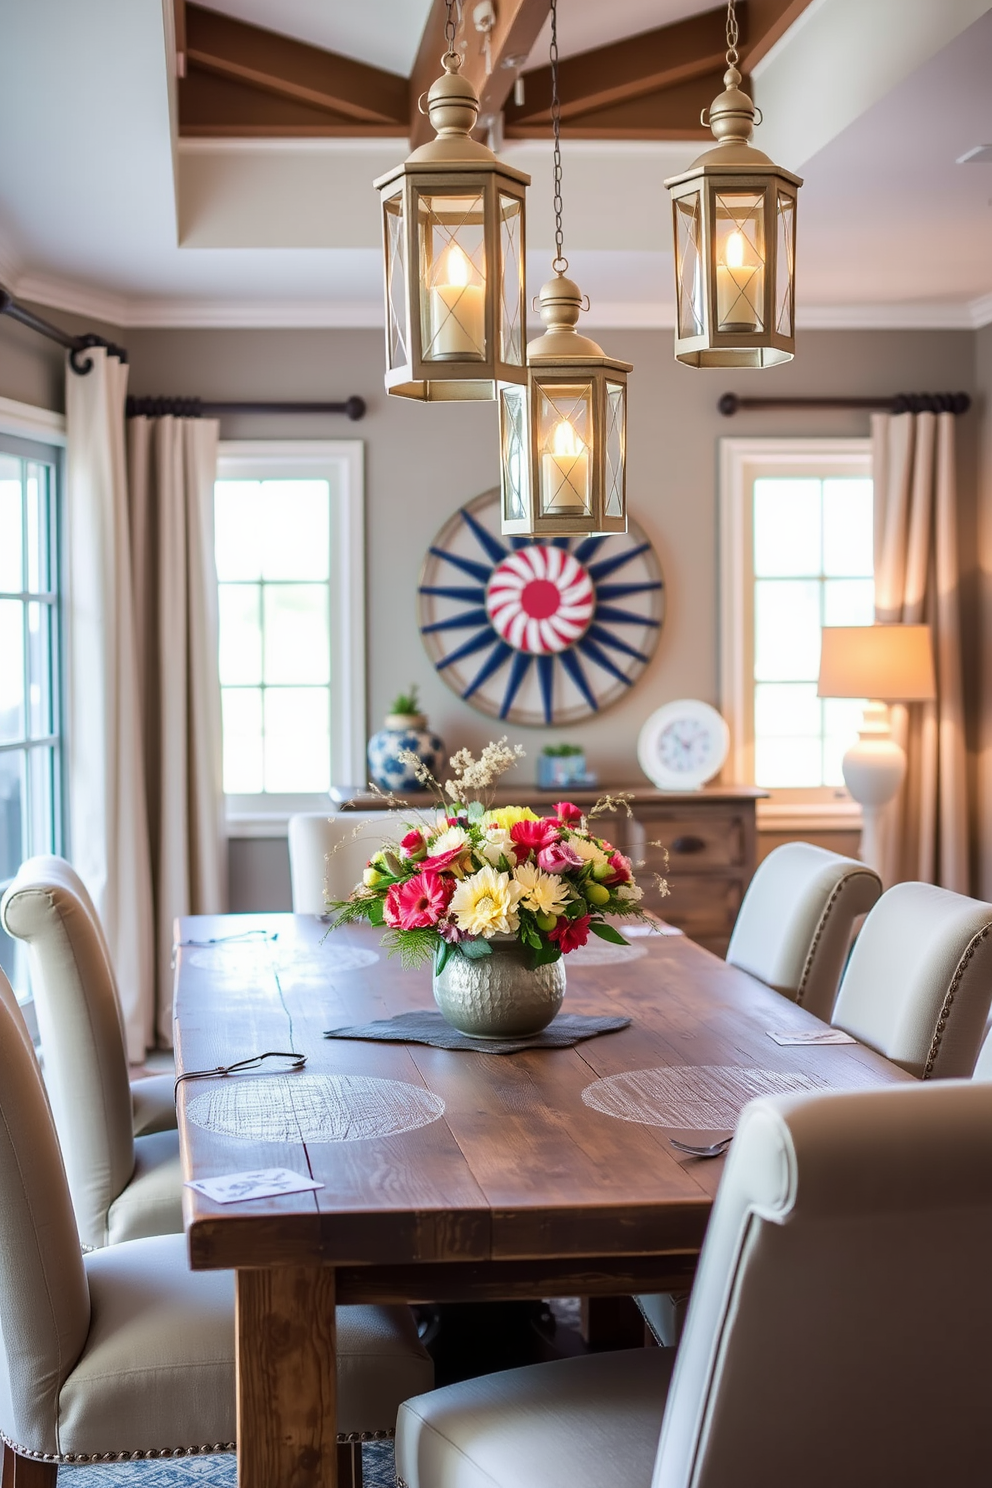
[(81, 1036), (983, 1064), (803, 1360), (44, 1299), (794, 927), (330, 852), (919, 981)]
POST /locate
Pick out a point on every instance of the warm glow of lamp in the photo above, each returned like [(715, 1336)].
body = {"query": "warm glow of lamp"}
[(565, 471), (733, 255), (886, 664), (458, 310)]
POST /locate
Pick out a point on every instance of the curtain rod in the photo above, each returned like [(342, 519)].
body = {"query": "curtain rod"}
[(76, 346), (354, 407), (956, 403)]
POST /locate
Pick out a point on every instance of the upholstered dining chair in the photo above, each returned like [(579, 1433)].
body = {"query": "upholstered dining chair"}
[(918, 985), (983, 1064), (122, 1186), (328, 853), (126, 1353), (153, 1097), (803, 1360), (794, 928)]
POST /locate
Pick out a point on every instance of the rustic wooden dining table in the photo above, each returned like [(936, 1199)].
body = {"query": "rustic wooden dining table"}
[(448, 1175)]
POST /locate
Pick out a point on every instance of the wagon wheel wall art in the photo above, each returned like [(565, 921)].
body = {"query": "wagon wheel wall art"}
[(538, 631)]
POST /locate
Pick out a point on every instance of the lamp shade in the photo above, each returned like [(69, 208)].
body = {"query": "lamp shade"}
[(893, 663)]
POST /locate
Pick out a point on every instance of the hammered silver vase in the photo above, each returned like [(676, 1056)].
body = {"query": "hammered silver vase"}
[(499, 996)]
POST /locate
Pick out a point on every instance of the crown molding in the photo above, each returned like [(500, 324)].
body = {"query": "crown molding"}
[(910, 315), (981, 312), (72, 297)]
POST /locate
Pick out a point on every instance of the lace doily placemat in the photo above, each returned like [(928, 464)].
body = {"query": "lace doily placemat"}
[(429, 1027), (601, 953), (706, 1097), (314, 1108)]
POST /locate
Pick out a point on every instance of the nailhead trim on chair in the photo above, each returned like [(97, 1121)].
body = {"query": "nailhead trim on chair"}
[(962, 967), (827, 909), (79, 1458)]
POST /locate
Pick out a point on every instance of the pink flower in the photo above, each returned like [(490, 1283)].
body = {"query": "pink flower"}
[(567, 812), (450, 932), (571, 933), (413, 845), (621, 869), (536, 834), (418, 903), (444, 860), (558, 857)]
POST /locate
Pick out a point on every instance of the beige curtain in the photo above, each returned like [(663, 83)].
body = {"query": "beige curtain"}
[(108, 830), (925, 834), (171, 468)]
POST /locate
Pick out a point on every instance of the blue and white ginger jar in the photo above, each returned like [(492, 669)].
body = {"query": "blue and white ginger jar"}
[(404, 731)]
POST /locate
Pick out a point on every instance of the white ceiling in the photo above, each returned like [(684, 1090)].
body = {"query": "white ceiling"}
[(384, 33), (93, 212)]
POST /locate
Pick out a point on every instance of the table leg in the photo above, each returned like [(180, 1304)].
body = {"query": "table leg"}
[(287, 1378)]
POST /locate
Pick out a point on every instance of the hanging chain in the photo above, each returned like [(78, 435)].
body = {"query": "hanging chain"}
[(560, 261), (449, 32), (733, 34)]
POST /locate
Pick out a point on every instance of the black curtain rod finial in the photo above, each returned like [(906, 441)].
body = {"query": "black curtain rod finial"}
[(956, 403)]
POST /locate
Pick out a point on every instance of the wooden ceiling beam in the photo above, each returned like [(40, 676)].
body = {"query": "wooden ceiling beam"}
[(670, 114), (293, 71), (518, 25)]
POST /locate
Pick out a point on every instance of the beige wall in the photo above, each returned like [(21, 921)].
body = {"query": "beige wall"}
[(983, 610)]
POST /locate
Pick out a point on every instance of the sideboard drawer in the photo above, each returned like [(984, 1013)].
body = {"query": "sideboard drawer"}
[(695, 841), (704, 907)]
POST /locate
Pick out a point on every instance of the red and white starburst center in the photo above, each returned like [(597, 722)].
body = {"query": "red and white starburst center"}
[(540, 600)]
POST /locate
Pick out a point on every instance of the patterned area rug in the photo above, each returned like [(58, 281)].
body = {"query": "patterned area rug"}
[(206, 1472)]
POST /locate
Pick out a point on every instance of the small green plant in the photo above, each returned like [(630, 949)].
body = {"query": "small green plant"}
[(406, 702), (562, 751)]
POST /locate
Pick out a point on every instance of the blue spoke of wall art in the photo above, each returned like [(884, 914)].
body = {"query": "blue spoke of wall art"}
[(484, 638), (489, 544), (467, 621), (606, 566), (595, 653), (492, 664), (519, 668), (546, 677), (561, 542), (623, 617), (607, 638), (588, 548), (469, 594), (622, 591), (573, 667), (474, 570)]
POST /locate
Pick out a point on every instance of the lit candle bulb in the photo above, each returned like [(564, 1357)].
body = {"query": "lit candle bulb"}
[(565, 471), (738, 287), (458, 312)]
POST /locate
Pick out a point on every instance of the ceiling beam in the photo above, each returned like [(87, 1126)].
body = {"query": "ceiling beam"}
[(291, 70), (518, 25), (670, 114)]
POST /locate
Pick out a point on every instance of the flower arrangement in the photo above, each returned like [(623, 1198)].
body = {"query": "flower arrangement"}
[(467, 873)]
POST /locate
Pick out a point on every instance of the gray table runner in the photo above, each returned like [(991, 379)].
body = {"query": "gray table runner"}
[(429, 1027)]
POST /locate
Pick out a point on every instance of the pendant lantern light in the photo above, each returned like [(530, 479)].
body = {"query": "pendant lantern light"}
[(453, 238), (735, 241), (563, 433)]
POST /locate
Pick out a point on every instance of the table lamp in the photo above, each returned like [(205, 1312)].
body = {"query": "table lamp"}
[(886, 664)]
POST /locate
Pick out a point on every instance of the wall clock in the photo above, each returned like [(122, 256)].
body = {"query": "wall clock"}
[(538, 631), (682, 745)]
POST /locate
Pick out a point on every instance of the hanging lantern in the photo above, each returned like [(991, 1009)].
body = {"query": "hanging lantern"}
[(563, 433), (735, 242), (453, 238)]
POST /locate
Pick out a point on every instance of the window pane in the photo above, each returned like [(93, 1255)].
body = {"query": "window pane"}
[(11, 536), (12, 670), (242, 724), (41, 794), (842, 716), (297, 739), (295, 529), (848, 601), (11, 813), (848, 524), (786, 708), (39, 537), (788, 762), (297, 641), (40, 720), (786, 630), (238, 537), (786, 527), (240, 634)]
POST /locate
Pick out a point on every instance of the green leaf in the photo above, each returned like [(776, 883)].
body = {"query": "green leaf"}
[(607, 932), (475, 949), (377, 912), (442, 956), (476, 811), (546, 956)]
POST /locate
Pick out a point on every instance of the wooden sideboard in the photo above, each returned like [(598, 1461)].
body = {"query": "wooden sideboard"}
[(708, 836)]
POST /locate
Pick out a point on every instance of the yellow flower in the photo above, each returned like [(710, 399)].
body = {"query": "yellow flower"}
[(587, 849), (544, 893), (508, 816), (486, 904)]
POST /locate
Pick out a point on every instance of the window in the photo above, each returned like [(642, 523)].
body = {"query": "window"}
[(796, 531), (30, 676), (290, 568)]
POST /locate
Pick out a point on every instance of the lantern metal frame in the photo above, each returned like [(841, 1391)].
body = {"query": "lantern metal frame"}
[(456, 166), (734, 169)]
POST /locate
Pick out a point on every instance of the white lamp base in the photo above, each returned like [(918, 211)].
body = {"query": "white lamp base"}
[(874, 769)]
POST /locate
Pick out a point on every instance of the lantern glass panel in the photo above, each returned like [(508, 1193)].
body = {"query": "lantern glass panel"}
[(396, 281), (564, 441), (616, 439), (688, 263), (513, 451), (511, 220), (785, 264), (740, 261), (451, 234)]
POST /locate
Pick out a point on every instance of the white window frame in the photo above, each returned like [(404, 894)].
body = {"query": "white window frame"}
[(342, 462), (742, 461)]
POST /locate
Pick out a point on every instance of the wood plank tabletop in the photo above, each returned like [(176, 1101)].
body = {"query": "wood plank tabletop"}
[(516, 1169)]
